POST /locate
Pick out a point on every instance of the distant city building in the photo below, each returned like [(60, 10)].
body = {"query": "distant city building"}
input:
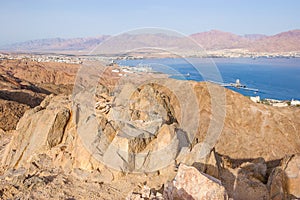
[(280, 104), (255, 99), (295, 102)]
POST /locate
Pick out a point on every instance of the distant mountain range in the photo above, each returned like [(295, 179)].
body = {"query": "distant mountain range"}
[(211, 40), (56, 44), (217, 40)]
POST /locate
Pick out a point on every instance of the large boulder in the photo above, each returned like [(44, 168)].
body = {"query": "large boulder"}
[(140, 127), (40, 129), (249, 182), (292, 171), (189, 184), (277, 184), (240, 177)]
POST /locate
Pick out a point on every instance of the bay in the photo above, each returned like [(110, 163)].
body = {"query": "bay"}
[(275, 78)]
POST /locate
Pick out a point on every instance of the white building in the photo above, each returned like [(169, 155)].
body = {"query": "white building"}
[(115, 70), (295, 102), (255, 99), (280, 104)]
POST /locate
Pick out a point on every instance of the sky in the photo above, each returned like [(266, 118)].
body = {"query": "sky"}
[(23, 20)]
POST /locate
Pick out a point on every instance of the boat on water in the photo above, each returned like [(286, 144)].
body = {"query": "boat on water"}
[(236, 84)]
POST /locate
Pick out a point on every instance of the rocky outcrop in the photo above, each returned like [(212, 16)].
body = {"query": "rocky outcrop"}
[(150, 134), (192, 184), (41, 128), (242, 178)]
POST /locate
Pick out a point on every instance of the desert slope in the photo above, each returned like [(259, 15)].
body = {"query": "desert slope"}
[(24, 84), (45, 153), (253, 134)]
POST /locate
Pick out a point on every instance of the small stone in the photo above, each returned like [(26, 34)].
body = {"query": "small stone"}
[(81, 174), (146, 192)]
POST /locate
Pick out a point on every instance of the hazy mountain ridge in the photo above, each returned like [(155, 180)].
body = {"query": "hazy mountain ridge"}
[(216, 40), (57, 44), (286, 41), (254, 36), (210, 40)]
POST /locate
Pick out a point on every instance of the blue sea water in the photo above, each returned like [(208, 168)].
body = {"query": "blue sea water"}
[(276, 78)]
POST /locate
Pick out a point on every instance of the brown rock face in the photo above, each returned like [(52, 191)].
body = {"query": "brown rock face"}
[(189, 183), (292, 171), (10, 113), (250, 130), (56, 132), (277, 184), (25, 84), (41, 128), (254, 130), (37, 72), (249, 182)]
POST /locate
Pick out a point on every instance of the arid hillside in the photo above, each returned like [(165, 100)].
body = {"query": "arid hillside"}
[(24, 84), (130, 142)]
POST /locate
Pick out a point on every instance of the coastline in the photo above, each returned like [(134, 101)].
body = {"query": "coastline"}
[(85, 55), (79, 60), (264, 96)]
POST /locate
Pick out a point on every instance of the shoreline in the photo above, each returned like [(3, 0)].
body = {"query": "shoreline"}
[(254, 98), (78, 58)]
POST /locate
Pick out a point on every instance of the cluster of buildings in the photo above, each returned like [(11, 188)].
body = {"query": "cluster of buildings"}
[(42, 58), (225, 53), (57, 58), (275, 102), (242, 53), (125, 70)]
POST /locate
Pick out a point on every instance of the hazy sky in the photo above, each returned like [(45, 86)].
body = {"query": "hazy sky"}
[(34, 19)]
